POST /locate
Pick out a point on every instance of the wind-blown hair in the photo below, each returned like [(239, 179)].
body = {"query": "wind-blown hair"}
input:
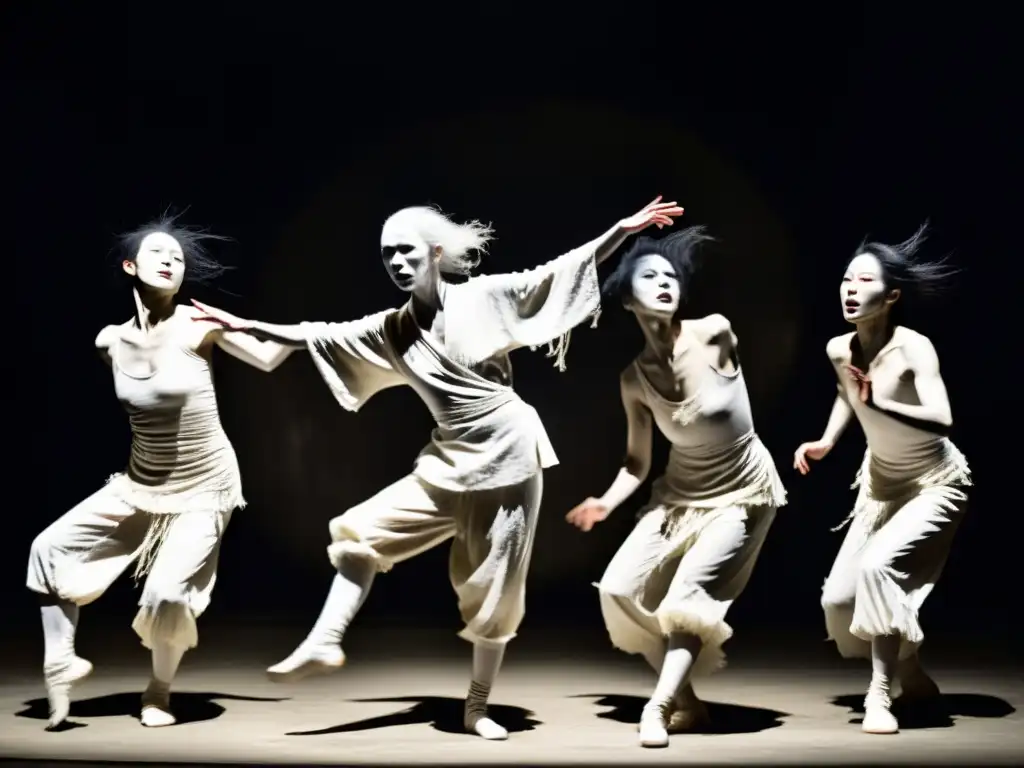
[(679, 249), (902, 269), (462, 245), (200, 266)]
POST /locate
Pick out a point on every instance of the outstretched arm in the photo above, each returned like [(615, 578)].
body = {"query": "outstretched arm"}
[(933, 412), (263, 355)]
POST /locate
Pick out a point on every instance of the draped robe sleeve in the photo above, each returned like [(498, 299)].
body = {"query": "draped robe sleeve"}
[(494, 314), (354, 358)]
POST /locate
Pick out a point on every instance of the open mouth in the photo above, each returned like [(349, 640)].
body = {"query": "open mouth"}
[(165, 274), (665, 298), (851, 304)]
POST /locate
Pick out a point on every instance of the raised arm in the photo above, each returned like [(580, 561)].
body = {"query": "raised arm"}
[(498, 313), (635, 467), (933, 412)]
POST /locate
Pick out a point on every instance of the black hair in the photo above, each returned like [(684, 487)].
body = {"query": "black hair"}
[(679, 249), (200, 266), (902, 269)]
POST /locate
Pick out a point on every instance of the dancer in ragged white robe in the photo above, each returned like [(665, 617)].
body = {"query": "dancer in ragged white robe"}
[(912, 483), (168, 510), (479, 480), (666, 593)]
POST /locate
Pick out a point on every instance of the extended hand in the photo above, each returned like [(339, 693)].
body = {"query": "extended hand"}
[(655, 212), (817, 450), (862, 381), (586, 514), (220, 317)]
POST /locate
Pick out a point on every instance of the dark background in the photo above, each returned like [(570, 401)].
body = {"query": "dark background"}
[(792, 131)]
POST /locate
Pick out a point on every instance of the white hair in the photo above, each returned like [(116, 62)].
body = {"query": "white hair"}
[(461, 244)]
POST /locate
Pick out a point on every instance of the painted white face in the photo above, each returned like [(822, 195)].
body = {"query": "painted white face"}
[(863, 291), (655, 286), (408, 258), (159, 264)]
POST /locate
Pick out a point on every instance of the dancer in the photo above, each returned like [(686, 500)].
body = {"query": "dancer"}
[(912, 481), (479, 479), (168, 509), (666, 592)]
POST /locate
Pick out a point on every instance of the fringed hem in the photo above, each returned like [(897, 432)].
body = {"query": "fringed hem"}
[(873, 512), (706, 622), (637, 642), (162, 502), (352, 547), (172, 623), (559, 348)]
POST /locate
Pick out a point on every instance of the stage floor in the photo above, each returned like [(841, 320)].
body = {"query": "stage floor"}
[(399, 702)]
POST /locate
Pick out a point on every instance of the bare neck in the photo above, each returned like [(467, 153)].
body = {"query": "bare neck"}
[(873, 333), (152, 308), (660, 334), (428, 299)]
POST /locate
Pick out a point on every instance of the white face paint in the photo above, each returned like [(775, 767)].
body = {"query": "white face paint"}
[(159, 264), (863, 291), (655, 286), (408, 258)]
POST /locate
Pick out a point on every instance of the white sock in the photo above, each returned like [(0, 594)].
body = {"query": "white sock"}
[(60, 620), (885, 652), (348, 593), (675, 669), (486, 664)]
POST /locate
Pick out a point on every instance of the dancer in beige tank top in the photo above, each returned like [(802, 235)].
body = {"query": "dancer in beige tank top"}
[(168, 509), (666, 592), (912, 481)]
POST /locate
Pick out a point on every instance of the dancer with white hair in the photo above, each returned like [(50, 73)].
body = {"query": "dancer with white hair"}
[(479, 480), (168, 510), (912, 482)]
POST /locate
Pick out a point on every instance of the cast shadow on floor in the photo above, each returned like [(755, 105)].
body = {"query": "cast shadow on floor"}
[(725, 718), (940, 712), (188, 707), (442, 713)]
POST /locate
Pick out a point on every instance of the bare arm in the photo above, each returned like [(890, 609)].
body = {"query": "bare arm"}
[(639, 436), (838, 420), (934, 411), (263, 355), (104, 339)]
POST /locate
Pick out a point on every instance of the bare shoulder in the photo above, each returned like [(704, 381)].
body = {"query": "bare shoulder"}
[(108, 336), (838, 348), (629, 378), (713, 325), (916, 346)]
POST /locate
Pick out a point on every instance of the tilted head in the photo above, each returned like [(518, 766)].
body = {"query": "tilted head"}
[(161, 255), (420, 244), (651, 278), (879, 275)]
